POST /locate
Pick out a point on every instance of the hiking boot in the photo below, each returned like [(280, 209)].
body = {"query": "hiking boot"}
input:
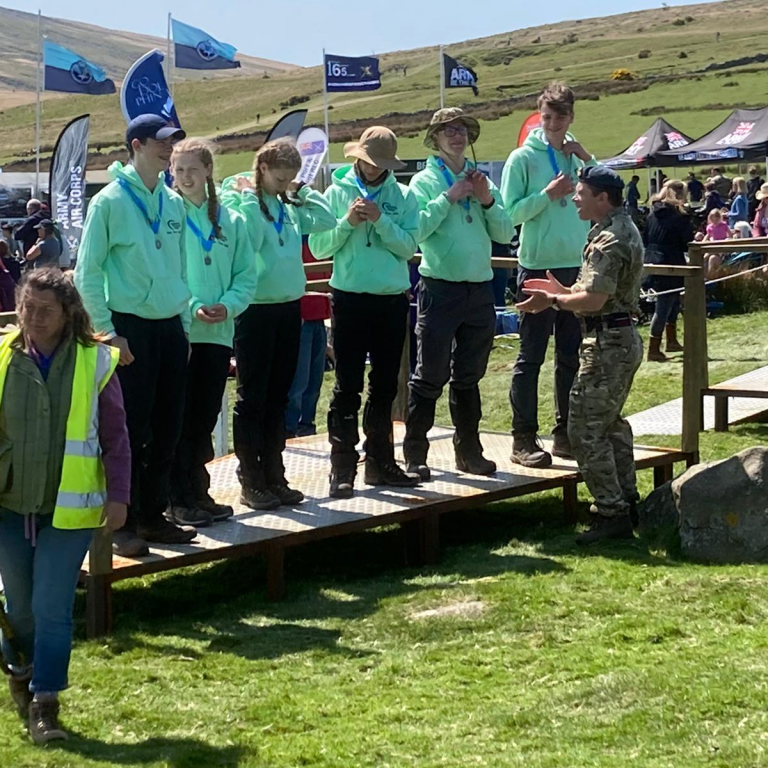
[(618, 527), (44, 721), (166, 532), (527, 451), (422, 470), (20, 693), (475, 464), (388, 473), (672, 345), (126, 543), (287, 496), (561, 446), (194, 516), (342, 484), (655, 355), (218, 512), (259, 498)]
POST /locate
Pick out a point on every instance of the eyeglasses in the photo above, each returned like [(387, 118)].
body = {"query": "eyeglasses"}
[(459, 130)]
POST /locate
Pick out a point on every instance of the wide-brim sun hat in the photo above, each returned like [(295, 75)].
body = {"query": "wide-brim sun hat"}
[(447, 115), (762, 192), (377, 146)]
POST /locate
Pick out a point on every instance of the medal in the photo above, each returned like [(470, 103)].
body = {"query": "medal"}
[(469, 219), (205, 243), (278, 225), (449, 181), (153, 223), (280, 240), (208, 261), (556, 169), (563, 202)]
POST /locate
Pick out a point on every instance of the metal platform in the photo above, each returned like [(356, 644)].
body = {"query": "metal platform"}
[(667, 418), (319, 516)]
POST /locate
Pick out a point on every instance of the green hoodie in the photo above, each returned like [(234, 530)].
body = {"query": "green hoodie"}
[(381, 268), (279, 268), (452, 248), (119, 268), (552, 235), (229, 279)]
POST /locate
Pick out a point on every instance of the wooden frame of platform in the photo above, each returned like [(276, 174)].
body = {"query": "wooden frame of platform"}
[(416, 510)]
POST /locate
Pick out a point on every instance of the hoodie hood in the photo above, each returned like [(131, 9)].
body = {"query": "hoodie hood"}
[(537, 139), (345, 177), (664, 210), (128, 173)]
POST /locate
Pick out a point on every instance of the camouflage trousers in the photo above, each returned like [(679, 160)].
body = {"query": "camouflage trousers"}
[(601, 440)]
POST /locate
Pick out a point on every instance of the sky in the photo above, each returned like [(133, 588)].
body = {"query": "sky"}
[(296, 31)]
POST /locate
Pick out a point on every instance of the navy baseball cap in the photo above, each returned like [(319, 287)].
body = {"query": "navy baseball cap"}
[(44, 224), (601, 177), (151, 127)]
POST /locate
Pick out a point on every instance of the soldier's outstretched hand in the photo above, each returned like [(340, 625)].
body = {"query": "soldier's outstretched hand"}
[(550, 285)]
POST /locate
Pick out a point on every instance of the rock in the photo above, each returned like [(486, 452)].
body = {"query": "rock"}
[(723, 509), (715, 512)]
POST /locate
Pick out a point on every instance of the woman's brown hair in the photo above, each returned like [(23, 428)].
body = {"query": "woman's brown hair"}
[(78, 323), (205, 151), (280, 153)]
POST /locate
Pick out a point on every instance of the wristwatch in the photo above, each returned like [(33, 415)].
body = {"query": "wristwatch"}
[(555, 305), (489, 206)]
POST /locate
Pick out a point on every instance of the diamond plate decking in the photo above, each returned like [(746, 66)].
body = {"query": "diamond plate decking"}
[(307, 463)]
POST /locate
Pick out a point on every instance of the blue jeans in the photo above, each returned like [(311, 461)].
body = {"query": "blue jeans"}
[(667, 310), (40, 584), (305, 390)]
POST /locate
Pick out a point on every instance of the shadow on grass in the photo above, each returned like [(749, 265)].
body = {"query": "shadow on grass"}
[(173, 753)]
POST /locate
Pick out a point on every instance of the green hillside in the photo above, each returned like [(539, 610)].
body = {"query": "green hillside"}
[(509, 65)]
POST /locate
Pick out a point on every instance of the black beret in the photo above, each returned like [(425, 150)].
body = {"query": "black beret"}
[(601, 177)]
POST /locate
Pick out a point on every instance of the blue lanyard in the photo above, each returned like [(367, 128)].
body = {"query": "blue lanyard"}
[(449, 181), (153, 223), (206, 243), (365, 193), (280, 223), (553, 161)]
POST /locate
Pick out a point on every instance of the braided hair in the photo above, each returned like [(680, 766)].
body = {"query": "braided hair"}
[(204, 150), (280, 153)]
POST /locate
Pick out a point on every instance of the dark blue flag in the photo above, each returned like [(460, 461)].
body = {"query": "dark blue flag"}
[(67, 71), (458, 75), (357, 73), (145, 91), (195, 49)]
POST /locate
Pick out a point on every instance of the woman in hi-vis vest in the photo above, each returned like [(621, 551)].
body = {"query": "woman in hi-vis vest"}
[(64, 471)]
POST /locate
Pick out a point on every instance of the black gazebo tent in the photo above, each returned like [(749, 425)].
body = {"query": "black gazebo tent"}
[(741, 137), (646, 149)]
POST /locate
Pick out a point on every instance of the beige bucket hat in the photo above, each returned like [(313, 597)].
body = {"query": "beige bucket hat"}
[(450, 115), (762, 192), (377, 146)]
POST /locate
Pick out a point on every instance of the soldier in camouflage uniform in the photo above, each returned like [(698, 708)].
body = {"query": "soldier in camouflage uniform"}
[(604, 297)]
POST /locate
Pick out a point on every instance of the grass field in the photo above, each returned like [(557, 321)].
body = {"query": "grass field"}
[(535, 654)]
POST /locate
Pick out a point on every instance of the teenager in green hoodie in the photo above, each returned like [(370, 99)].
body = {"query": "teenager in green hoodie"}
[(377, 220), (460, 214), (222, 279), (537, 183), (132, 274), (277, 211)]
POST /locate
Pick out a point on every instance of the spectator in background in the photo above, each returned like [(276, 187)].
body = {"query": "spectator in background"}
[(739, 204), (633, 194), (46, 252), (722, 183), (305, 391), (695, 188), (6, 235), (7, 283), (753, 187), (760, 221), (712, 199), (26, 235), (717, 228), (667, 234), (10, 263)]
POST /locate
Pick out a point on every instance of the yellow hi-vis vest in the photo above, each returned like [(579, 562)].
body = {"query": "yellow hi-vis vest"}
[(83, 486)]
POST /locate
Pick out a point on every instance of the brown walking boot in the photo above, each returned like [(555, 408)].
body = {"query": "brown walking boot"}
[(655, 355), (672, 345), (527, 450), (44, 721)]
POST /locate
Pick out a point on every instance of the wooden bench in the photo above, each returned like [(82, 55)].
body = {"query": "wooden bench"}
[(721, 393)]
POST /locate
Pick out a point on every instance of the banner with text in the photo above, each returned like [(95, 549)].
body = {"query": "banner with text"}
[(346, 73), (458, 75), (312, 144), (145, 90)]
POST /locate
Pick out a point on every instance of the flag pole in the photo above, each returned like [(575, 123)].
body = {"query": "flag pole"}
[(327, 129), (38, 86), (168, 67), (442, 79)]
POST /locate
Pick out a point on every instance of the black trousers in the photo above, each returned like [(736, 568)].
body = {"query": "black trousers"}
[(267, 338), (206, 379), (455, 328), (535, 331), (153, 391), (364, 325)]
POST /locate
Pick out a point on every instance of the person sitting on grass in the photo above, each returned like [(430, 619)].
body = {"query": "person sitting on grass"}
[(64, 471)]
